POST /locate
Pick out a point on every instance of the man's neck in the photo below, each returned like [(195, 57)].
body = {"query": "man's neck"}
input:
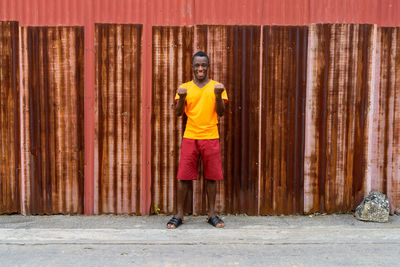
[(201, 83)]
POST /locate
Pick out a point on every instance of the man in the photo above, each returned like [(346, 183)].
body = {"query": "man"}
[(202, 99)]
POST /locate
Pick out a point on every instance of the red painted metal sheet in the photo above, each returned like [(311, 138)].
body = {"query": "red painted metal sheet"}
[(52, 115), (89, 108), (172, 54), (282, 115), (339, 65), (9, 119), (190, 12), (118, 144), (381, 12), (383, 172)]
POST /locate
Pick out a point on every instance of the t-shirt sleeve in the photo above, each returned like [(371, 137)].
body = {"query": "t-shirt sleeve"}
[(224, 96)]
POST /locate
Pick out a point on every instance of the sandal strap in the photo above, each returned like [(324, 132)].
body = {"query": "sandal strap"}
[(175, 220), (214, 220)]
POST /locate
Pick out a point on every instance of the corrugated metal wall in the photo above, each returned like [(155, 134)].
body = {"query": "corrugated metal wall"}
[(353, 146), (52, 119), (118, 120), (9, 119)]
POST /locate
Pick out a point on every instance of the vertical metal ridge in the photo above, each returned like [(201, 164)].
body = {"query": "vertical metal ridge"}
[(118, 118)]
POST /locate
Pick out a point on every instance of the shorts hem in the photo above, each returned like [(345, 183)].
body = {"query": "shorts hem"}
[(187, 179), (214, 179)]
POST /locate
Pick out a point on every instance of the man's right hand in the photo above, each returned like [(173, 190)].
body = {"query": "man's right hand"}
[(182, 92)]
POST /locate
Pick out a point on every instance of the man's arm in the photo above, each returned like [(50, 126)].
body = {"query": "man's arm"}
[(219, 102), (180, 105)]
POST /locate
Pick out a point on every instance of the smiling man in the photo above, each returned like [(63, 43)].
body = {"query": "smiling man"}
[(203, 100)]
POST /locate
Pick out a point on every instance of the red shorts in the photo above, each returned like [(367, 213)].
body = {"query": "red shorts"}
[(210, 156)]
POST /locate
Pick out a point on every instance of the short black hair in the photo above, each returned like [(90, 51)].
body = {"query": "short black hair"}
[(201, 54)]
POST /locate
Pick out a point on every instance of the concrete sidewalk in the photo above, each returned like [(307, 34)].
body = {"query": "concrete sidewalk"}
[(295, 240)]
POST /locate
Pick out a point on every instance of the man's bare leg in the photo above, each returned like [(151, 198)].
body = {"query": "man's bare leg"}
[(211, 194), (183, 188)]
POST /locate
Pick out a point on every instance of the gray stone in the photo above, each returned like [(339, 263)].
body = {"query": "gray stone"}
[(374, 208)]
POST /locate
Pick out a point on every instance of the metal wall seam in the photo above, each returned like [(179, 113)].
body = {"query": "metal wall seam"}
[(89, 108), (145, 193), (260, 105)]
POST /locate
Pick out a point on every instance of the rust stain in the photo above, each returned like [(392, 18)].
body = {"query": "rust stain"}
[(172, 53), (9, 119), (52, 95), (282, 116), (337, 97), (118, 118)]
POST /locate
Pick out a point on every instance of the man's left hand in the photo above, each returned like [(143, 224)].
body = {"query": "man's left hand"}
[(219, 88)]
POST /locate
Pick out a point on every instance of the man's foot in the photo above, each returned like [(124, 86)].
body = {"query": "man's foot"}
[(174, 222), (216, 221)]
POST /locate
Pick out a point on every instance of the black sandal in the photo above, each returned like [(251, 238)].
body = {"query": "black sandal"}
[(214, 220), (176, 221)]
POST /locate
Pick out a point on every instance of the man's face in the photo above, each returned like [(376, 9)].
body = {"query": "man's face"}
[(200, 67)]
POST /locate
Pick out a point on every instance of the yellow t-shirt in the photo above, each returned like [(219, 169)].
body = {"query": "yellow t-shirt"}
[(200, 110)]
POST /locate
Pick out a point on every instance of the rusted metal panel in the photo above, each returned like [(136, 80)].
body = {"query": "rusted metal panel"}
[(235, 61), (339, 67), (118, 119), (282, 119), (9, 119), (52, 119), (383, 172), (172, 54)]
